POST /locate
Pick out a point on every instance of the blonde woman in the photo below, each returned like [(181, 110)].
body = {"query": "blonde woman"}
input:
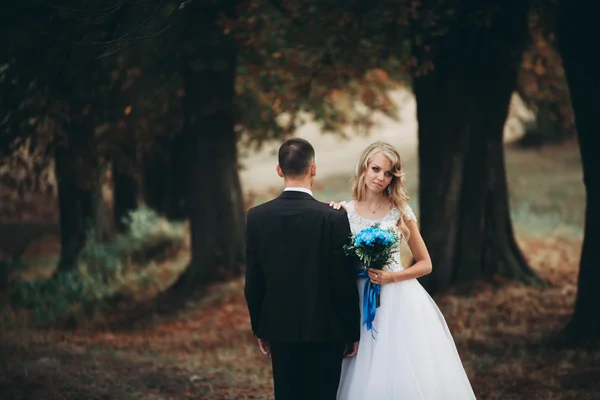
[(409, 354)]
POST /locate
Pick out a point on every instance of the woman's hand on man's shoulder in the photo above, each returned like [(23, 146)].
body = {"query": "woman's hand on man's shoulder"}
[(337, 206)]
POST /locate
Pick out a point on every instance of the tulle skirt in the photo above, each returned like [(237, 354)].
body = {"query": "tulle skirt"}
[(410, 356)]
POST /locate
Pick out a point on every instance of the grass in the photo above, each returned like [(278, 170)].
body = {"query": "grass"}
[(506, 334), (133, 265)]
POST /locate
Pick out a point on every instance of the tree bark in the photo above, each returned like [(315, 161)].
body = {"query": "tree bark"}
[(576, 36), (154, 175), (548, 127), (164, 177), (125, 186), (75, 206), (125, 198), (214, 196), (462, 108), (81, 204), (102, 222)]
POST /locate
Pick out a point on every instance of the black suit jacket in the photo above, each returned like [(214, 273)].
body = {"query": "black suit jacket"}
[(300, 287)]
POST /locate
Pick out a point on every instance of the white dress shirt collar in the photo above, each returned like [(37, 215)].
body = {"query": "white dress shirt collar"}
[(298, 189)]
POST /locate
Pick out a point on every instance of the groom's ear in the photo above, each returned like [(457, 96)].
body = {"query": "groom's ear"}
[(279, 171), (313, 169)]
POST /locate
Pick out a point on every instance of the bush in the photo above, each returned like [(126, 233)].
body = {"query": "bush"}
[(100, 268)]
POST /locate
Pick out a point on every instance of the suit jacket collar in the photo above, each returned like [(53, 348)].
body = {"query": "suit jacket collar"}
[(293, 194)]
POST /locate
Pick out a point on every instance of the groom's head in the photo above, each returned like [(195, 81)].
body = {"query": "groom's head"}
[(296, 160)]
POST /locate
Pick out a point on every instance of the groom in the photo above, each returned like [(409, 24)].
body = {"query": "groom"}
[(300, 287)]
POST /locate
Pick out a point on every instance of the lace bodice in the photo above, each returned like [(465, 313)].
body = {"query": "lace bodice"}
[(358, 223)]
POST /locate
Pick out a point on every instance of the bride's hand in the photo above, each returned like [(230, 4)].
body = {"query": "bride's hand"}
[(380, 277), (337, 206)]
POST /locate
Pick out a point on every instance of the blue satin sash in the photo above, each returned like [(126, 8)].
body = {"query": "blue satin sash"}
[(370, 293)]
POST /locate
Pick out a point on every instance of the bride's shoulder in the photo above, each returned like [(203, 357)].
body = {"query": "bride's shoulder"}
[(348, 205), (408, 213)]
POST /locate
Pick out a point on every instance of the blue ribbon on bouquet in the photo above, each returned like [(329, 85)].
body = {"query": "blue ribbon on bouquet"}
[(370, 292)]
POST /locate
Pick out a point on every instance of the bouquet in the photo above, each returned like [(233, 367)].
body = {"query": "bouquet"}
[(374, 247)]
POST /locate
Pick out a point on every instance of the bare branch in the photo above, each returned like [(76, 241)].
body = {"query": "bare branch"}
[(129, 42), (82, 10), (125, 38)]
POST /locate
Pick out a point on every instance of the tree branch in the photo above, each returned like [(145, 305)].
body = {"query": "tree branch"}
[(124, 38)]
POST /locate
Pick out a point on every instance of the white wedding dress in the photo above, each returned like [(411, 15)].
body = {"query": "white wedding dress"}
[(411, 355)]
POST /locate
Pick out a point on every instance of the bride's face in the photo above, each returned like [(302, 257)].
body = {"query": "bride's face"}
[(379, 173)]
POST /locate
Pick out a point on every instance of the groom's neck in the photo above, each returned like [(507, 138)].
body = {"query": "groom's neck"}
[(301, 183)]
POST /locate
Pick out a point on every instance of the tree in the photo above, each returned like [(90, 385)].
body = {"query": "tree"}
[(146, 85), (65, 73), (462, 104), (576, 35), (315, 58), (35, 75), (541, 82), (80, 152), (213, 194), (125, 176), (123, 150)]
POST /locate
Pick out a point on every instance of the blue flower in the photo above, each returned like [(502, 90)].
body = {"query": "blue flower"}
[(373, 237)]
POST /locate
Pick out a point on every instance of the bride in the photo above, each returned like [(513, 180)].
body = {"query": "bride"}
[(409, 353)]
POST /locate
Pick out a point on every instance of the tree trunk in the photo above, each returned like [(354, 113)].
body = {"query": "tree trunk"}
[(125, 187), (102, 222), (576, 38), (462, 108), (81, 204), (125, 198), (125, 159), (154, 175), (75, 207), (73, 79), (214, 196), (164, 177), (548, 127)]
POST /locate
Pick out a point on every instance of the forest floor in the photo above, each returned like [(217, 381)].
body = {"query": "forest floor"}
[(507, 334)]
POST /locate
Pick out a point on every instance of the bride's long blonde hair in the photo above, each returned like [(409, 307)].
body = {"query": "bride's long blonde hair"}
[(395, 192)]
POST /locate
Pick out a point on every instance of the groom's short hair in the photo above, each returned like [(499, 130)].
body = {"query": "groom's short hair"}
[(295, 157)]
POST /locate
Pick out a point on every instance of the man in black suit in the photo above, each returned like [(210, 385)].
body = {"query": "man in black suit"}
[(300, 287)]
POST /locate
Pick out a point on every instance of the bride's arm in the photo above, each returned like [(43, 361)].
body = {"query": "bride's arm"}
[(422, 266)]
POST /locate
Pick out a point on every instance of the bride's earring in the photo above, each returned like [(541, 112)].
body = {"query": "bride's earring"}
[(388, 191)]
